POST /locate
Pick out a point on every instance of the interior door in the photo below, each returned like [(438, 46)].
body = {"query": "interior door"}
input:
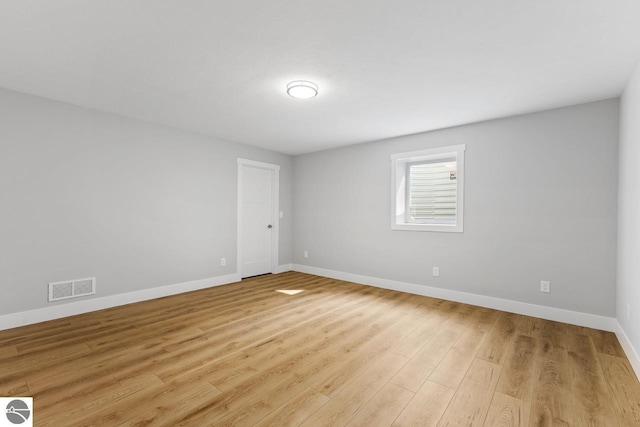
[(256, 220)]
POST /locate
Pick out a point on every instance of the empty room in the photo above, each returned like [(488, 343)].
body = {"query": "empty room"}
[(334, 213)]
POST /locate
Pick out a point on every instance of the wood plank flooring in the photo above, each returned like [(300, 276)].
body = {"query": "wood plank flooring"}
[(336, 354)]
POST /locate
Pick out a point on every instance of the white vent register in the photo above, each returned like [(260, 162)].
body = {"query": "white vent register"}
[(72, 289)]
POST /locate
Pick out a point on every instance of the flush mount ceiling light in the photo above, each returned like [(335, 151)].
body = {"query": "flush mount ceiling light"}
[(302, 89)]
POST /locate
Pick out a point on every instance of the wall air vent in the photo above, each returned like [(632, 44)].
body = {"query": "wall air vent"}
[(72, 289)]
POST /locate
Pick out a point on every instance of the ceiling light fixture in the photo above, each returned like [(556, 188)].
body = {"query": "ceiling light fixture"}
[(302, 89)]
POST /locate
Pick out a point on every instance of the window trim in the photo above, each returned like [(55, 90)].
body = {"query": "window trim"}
[(399, 190)]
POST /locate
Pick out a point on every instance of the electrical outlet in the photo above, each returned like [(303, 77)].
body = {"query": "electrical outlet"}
[(545, 286), (306, 254), (223, 262), (436, 271), (628, 311), (281, 214)]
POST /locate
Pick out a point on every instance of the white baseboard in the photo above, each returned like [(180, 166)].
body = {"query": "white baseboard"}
[(604, 323), (628, 348), (549, 313), (23, 318), (14, 320), (283, 268)]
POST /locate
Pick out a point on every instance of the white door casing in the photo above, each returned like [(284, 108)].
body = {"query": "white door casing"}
[(258, 185)]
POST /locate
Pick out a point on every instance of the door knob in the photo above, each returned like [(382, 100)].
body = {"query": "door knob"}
[(269, 226)]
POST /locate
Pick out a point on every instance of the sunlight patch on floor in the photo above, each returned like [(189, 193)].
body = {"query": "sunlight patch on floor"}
[(290, 291)]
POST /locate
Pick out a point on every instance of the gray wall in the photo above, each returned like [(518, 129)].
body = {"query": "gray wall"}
[(629, 212), (540, 204), (137, 205)]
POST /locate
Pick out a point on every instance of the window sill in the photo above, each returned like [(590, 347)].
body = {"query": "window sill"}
[(428, 227)]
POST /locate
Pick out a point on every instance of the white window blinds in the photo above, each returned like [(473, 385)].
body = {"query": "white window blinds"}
[(432, 192)]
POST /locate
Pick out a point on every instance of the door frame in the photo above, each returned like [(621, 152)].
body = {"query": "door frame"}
[(275, 210)]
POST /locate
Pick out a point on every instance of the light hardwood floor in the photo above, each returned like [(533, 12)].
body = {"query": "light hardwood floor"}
[(337, 354)]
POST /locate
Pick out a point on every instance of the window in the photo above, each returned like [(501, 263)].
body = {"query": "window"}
[(428, 189)]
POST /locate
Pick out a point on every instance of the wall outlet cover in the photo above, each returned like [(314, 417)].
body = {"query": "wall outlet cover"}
[(545, 286)]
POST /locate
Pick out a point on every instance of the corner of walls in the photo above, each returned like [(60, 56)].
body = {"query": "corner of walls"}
[(628, 348), (628, 241), (283, 268), (14, 320)]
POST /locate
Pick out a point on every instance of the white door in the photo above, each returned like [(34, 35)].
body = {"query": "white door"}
[(257, 222)]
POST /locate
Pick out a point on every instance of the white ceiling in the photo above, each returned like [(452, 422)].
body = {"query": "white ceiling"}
[(384, 68)]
